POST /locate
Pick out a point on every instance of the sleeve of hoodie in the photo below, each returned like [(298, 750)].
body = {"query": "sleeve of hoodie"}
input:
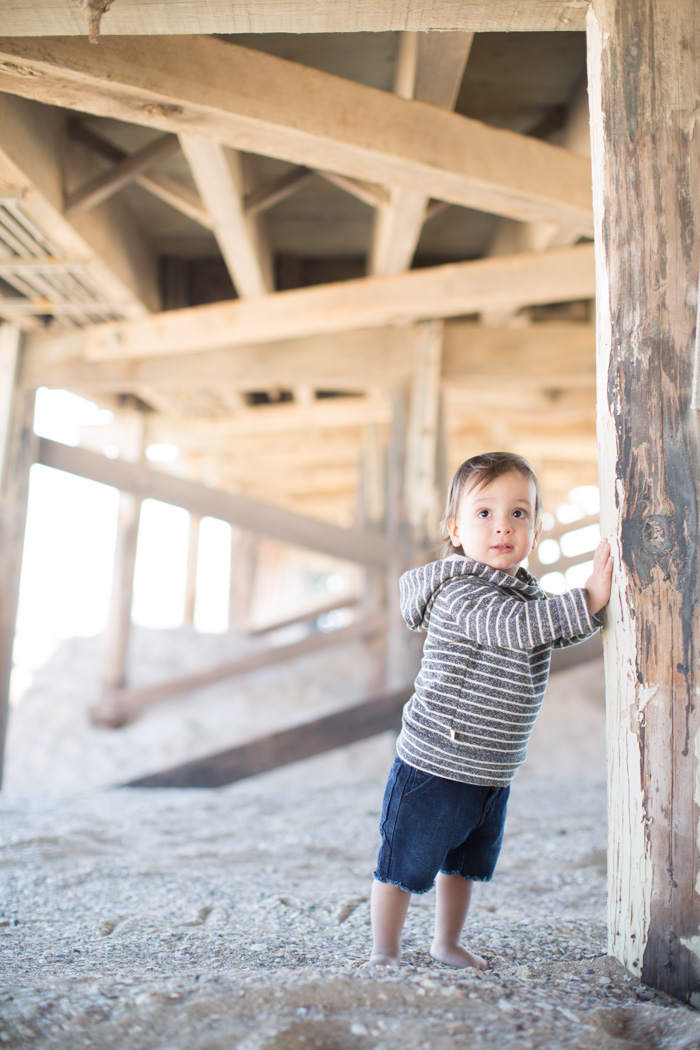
[(487, 616)]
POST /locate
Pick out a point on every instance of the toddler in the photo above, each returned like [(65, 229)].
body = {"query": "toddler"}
[(490, 632)]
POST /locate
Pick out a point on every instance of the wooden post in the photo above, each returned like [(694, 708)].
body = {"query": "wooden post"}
[(244, 560), (373, 517), (644, 71), (20, 445), (115, 643), (192, 557), (422, 500), (403, 646)]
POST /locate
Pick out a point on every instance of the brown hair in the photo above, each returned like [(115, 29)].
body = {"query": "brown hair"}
[(482, 470)]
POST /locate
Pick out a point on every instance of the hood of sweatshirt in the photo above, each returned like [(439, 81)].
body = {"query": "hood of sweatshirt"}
[(419, 587)]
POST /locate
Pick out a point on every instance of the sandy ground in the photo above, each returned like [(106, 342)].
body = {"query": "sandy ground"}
[(239, 917)]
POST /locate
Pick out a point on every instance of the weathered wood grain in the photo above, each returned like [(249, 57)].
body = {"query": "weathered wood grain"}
[(134, 17), (644, 68)]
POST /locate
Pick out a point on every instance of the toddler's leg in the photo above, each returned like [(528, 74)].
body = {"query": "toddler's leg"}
[(453, 894), (389, 907)]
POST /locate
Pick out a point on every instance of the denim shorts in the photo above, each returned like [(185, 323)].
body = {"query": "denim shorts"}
[(430, 825)]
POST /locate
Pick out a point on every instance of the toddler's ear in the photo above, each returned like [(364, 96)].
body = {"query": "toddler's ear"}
[(537, 535)]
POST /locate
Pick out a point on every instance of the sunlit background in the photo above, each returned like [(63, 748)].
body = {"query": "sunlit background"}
[(71, 535)]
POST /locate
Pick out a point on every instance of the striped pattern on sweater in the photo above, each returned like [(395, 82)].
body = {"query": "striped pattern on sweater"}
[(485, 666)]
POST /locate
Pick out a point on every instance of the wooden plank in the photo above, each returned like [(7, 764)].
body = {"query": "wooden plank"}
[(430, 68), (218, 173), (123, 705), (644, 70), (359, 722), (259, 103), (442, 291), (158, 17), (35, 155), (103, 186), (22, 453), (350, 544)]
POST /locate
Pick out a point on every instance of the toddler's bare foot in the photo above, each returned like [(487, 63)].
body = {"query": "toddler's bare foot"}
[(457, 956), (380, 959)]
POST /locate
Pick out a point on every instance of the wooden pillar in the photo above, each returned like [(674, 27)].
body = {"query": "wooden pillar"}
[(422, 498), (244, 561), (19, 445), (192, 558), (403, 646), (644, 72), (373, 476), (115, 642)]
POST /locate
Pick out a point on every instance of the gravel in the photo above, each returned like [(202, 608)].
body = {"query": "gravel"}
[(239, 917)]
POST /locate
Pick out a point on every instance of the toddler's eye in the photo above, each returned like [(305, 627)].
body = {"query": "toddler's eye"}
[(518, 513), (483, 514)]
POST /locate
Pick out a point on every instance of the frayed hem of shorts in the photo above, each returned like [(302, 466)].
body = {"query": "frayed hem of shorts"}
[(400, 885), (469, 878)]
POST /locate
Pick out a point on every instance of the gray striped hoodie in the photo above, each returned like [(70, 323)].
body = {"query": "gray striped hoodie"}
[(485, 666)]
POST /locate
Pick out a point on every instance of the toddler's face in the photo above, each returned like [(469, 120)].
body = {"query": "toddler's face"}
[(495, 524)]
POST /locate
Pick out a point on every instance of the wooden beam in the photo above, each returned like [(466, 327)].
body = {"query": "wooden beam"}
[(542, 356), (218, 173), (123, 705), (174, 193), (103, 186), (430, 68), (306, 615), (548, 356), (258, 103), (644, 71), (286, 418), (266, 197), (514, 236), (359, 722), (367, 192), (443, 291), (355, 360), (34, 153), (350, 544), (159, 17)]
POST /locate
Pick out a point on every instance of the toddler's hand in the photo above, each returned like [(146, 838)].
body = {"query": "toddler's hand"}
[(598, 583)]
